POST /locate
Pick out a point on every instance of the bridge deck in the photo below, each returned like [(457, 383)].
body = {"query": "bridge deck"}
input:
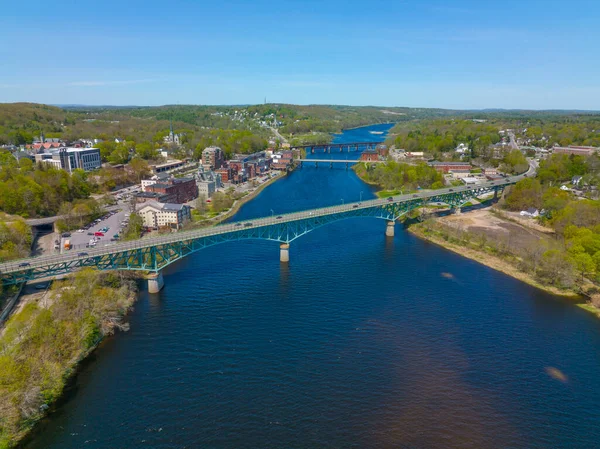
[(336, 161), (282, 228)]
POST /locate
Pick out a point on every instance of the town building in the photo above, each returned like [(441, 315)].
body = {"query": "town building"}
[(225, 174), (70, 159), (144, 197), (177, 190), (415, 154), (173, 138), (369, 156), (576, 150), (167, 166), (159, 177), (157, 215), (462, 149), (455, 167), (490, 171), (213, 158)]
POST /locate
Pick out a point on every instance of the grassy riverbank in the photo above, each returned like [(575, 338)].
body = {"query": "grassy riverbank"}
[(42, 345), (495, 255)]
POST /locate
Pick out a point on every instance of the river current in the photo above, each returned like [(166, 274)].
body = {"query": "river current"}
[(362, 341)]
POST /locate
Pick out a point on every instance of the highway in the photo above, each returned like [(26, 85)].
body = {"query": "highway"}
[(42, 261)]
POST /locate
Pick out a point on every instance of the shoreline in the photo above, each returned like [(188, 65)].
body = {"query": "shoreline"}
[(240, 202), (127, 292), (498, 264)]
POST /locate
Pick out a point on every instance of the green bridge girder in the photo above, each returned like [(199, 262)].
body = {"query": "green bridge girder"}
[(153, 254)]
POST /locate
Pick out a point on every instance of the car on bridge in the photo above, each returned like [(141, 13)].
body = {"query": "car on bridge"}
[(247, 225), (82, 254), (390, 199), (25, 264)]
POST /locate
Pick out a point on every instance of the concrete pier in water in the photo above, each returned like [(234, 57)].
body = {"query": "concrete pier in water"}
[(284, 252), (389, 230), (155, 282)]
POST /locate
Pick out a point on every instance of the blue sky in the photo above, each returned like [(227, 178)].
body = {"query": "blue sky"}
[(449, 54)]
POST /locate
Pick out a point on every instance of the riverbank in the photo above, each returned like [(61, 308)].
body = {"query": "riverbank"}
[(239, 203), (43, 344), (476, 247)]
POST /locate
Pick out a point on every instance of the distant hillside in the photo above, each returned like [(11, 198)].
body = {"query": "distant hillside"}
[(22, 122)]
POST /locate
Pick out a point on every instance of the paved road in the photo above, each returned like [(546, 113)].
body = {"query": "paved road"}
[(50, 220), (13, 266)]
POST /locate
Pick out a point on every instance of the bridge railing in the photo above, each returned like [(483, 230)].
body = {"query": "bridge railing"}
[(236, 226)]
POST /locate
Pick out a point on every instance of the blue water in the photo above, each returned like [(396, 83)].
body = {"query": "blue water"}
[(359, 342)]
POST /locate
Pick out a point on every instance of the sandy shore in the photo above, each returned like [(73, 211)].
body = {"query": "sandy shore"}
[(495, 226)]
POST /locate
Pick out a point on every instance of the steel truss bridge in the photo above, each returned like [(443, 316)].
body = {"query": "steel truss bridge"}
[(154, 253), (338, 147), (334, 161)]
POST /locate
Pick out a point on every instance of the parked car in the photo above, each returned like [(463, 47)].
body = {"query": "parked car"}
[(90, 233), (66, 234)]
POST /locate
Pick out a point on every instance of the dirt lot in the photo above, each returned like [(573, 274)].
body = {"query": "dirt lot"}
[(524, 233)]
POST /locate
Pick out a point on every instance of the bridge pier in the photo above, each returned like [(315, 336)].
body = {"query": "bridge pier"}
[(457, 210), (331, 165), (284, 252), (389, 230), (155, 282), (496, 194)]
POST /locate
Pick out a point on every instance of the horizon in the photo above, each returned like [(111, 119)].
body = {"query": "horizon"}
[(468, 56)]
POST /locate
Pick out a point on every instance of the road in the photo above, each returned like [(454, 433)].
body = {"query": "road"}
[(279, 136), (43, 261), (50, 220), (513, 142)]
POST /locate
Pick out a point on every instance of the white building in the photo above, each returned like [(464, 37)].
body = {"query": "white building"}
[(70, 159), (462, 149), (159, 215)]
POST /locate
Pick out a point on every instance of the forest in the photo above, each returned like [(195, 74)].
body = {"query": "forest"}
[(42, 344), (396, 175)]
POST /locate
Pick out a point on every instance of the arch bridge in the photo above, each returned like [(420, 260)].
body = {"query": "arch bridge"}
[(154, 253)]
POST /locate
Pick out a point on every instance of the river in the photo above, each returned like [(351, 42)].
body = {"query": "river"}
[(362, 341)]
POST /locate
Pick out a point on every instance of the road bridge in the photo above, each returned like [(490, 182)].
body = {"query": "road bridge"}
[(152, 254), (338, 147)]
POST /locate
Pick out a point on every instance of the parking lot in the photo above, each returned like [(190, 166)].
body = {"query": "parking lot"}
[(79, 240)]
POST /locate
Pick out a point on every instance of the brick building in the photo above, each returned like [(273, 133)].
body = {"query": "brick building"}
[(177, 190), (457, 167), (225, 173), (576, 150), (369, 156)]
